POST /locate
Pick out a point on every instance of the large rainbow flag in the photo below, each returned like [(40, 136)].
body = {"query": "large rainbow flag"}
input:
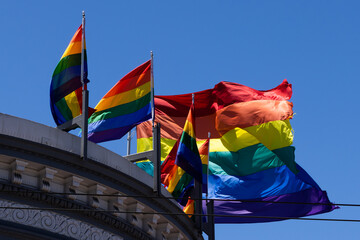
[(127, 104), (251, 157), (66, 86)]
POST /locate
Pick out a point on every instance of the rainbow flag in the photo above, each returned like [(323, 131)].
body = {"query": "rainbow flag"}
[(174, 178), (177, 180), (123, 107), (188, 157), (251, 155), (66, 86), (180, 183)]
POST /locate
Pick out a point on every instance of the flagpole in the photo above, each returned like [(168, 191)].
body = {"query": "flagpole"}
[(128, 143), (210, 203), (211, 220), (207, 170), (85, 95), (198, 191), (156, 135), (152, 90)]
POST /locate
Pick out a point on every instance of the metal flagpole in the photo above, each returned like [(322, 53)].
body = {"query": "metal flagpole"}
[(128, 143), (198, 194), (207, 170), (85, 95), (156, 135), (152, 90), (210, 203), (151, 103), (211, 220)]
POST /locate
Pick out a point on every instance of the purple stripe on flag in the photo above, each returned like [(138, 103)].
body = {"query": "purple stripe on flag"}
[(270, 207)]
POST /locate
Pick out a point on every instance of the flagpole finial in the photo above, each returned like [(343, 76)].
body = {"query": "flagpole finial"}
[(193, 98), (83, 13)]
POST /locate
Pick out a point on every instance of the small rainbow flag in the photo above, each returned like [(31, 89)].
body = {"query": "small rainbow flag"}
[(123, 107), (65, 88), (188, 157), (173, 176), (179, 183), (176, 179), (185, 154)]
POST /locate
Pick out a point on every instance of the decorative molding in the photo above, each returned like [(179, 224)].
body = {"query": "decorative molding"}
[(175, 236), (52, 222), (162, 230), (136, 219), (17, 167), (118, 204), (71, 185), (115, 178), (50, 200), (150, 222), (46, 175), (94, 201)]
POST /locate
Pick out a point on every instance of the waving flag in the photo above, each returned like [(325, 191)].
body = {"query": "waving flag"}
[(65, 88), (172, 176), (183, 164), (251, 161), (175, 178), (123, 107), (188, 157)]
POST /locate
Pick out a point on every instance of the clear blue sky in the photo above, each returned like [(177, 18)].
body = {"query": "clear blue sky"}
[(314, 44)]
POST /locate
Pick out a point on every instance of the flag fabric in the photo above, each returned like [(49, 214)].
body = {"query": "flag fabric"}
[(251, 156), (174, 178), (183, 165), (123, 107), (66, 86), (188, 157), (189, 209), (204, 155), (178, 182)]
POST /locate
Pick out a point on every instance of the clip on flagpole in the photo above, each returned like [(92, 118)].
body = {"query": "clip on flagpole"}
[(85, 96)]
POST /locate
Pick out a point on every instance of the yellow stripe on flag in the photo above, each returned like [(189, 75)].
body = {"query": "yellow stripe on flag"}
[(73, 48), (274, 135), (175, 178), (73, 104), (189, 129), (124, 97)]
